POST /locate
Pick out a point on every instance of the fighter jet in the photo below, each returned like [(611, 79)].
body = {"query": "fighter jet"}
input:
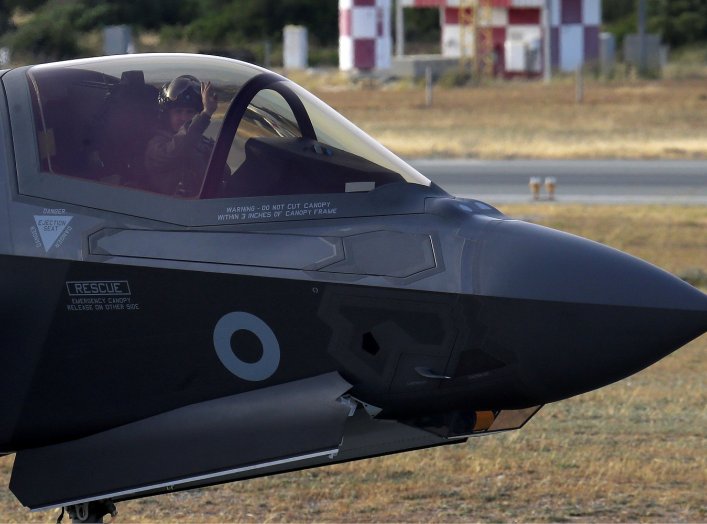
[(261, 287)]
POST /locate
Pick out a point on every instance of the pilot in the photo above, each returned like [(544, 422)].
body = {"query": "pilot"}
[(178, 154)]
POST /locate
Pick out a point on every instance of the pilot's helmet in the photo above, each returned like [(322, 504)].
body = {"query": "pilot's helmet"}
[(183, 91)]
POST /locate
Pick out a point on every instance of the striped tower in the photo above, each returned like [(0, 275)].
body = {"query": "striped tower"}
[(517, 32), (365, 42), (575, 32)]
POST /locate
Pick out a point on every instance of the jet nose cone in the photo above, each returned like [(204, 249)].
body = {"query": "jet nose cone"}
[(575, 314)]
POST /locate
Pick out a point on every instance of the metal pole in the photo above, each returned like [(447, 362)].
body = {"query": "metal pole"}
[(267, 50), (399, 29), (547, 32), (579, 85), (641, 37), (428, 86)]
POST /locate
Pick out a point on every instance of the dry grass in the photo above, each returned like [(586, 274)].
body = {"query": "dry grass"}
[(661, 119), (633, 451)]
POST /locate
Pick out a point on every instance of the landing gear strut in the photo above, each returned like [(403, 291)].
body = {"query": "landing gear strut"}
[(89, 512)]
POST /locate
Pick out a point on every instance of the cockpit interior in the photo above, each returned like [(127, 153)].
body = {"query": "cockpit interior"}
[(93, 120)]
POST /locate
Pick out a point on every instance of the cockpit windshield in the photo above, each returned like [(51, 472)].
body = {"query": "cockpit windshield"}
[(181, 125)]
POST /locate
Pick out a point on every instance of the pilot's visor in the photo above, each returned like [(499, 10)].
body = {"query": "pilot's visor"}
[(181, 84)]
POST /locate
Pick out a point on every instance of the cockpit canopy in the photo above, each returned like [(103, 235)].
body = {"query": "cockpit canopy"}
[(95, 119)]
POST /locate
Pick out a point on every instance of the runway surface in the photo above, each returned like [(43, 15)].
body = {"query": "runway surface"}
[(581, 181)]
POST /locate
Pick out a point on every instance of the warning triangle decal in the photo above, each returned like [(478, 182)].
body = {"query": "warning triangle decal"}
[(50, 227)]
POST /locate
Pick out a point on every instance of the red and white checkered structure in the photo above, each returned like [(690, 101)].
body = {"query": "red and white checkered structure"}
[(365, 41), (518, 32)]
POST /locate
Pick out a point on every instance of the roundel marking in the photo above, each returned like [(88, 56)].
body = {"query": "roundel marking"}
[(241, 321)]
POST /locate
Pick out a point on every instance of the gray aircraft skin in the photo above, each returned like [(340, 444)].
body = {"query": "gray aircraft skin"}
[(314, 300)]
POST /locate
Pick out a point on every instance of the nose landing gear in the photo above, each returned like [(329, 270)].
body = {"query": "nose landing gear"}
[(89, 512)]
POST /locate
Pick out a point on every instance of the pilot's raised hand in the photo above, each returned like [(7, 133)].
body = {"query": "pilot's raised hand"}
[(208, 97)]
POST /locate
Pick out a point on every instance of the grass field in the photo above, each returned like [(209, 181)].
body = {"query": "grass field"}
[(660, 119), (633, 451)]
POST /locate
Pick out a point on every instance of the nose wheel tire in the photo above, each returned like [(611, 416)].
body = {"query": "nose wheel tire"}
[(89, 512)]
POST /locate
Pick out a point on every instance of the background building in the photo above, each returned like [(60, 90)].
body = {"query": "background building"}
[(365, 41), (507, 35)]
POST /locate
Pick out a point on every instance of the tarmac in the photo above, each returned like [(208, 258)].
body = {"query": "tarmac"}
[(577, 181)]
